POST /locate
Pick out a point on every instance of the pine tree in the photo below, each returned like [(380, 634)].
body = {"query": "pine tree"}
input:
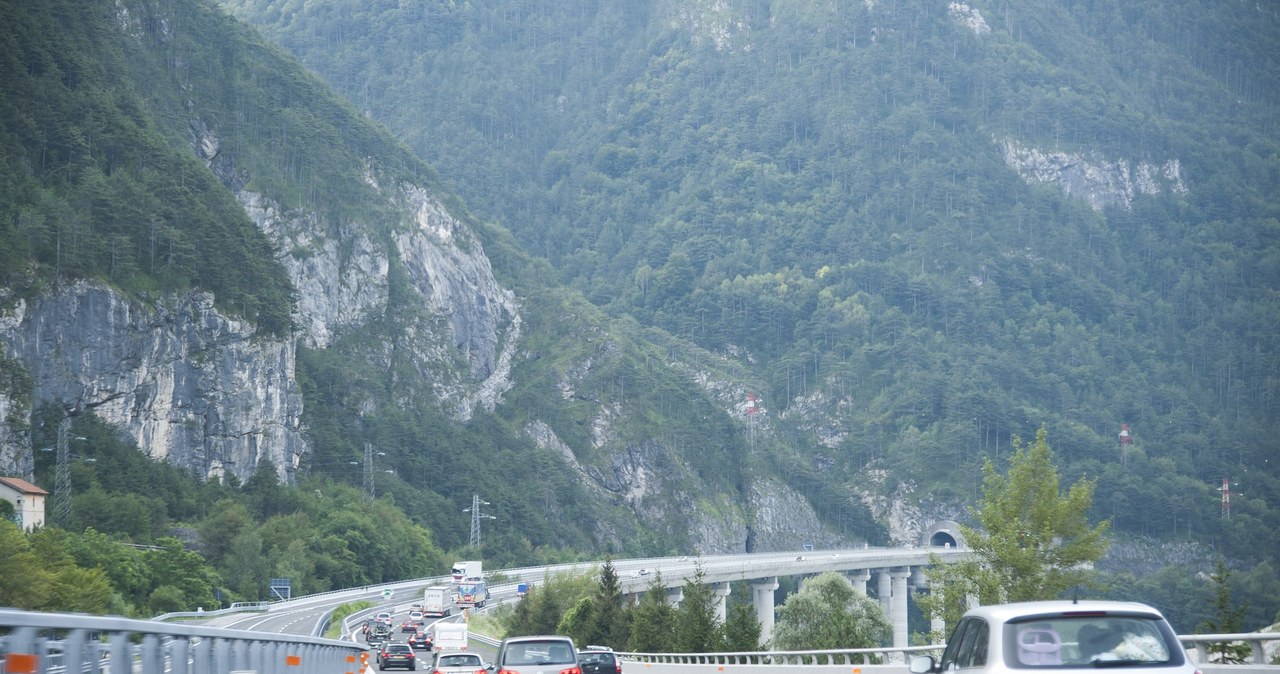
[(611, 628), (697, 628), (652, 621), (1032, 541), (742, 630), (1226, 620)]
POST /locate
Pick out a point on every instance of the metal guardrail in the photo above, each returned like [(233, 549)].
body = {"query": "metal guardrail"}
[(237, 607), (892, 660), (843, 658), (57, 643), (1196, 644)]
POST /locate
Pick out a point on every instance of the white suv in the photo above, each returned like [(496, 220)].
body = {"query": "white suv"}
[(1060, 636), (536, 655)]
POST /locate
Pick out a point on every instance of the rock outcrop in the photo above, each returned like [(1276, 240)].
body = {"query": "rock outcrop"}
[(1101, 181), (188, 384)]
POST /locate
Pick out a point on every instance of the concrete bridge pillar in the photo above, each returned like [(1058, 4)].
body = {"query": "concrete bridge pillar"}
[(762, 598), (920, 580), (898, 605), (859, 578), (675, 595), (883, 589), (721, 593)]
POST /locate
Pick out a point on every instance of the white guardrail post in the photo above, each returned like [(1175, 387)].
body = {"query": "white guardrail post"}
[(74, 643)]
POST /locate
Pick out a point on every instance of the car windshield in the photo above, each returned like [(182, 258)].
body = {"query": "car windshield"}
[(540, 653), (1093, 640)]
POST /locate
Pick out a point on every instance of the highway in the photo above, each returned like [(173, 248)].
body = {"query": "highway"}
[(303, 614), (306, 615)]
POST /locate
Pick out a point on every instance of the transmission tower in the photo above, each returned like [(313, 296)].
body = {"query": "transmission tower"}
[(62, 474), (476, 516), (368, 470)]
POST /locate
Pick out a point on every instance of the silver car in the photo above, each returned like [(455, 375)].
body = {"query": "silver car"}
[(1063, 636), (457, 662)]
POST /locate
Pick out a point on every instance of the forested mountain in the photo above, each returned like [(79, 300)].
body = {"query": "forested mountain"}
[(912, 229), (213, 259), (923, 226)]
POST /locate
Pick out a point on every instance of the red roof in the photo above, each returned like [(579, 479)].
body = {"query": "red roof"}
[(22, 485)]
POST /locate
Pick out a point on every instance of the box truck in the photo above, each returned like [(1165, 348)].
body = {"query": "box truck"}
[(473, 593), (437, 601)]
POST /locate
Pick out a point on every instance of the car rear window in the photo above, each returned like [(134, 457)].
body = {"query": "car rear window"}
[(1083, 640), (594, 658), (398, 648), (459, 661), (540, 653)]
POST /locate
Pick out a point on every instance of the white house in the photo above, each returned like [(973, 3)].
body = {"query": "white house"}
[(27, 500)]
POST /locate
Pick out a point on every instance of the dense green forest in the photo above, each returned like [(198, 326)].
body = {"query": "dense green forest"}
[(144, 538), (809, 201)]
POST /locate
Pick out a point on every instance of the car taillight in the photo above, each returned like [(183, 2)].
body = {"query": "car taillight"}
[(571, 670)]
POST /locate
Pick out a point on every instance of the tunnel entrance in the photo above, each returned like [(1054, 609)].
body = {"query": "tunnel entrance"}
[(942, 539), (943, 534)]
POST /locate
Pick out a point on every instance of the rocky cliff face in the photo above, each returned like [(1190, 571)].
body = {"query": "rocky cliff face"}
[(1102, 181), (342, 273), (201, 390), (188, 384)]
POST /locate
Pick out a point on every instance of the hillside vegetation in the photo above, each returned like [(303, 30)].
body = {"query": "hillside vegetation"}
[(916, 229), (820, 191)]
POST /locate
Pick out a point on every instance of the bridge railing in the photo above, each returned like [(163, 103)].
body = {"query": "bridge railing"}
[(73, 643), (815, 660), (893, 660)]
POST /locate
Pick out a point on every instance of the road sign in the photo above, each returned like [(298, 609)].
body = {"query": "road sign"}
[(282, 588)]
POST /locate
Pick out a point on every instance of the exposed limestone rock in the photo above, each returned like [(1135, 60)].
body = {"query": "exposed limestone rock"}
[(1100, 181), (713, 21), (784, 520), (341, 272), (894, 506), (186, 383), (717, 526), (969, 17), (341, 276), (15, 450)]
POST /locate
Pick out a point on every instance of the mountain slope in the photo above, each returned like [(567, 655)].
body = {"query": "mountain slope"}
[(924, 227), (351, 312)]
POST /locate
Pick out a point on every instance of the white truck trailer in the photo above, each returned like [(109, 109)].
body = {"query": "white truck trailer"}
[(437, 601), (450, 636)]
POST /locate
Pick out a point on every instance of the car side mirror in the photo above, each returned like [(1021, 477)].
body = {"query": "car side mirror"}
[(923, 664)]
